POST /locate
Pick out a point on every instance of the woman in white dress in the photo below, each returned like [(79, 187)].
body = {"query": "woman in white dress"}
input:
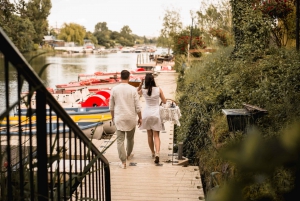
[(151, 118)]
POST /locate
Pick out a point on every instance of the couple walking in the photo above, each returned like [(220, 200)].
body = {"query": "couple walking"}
[(125, 107)]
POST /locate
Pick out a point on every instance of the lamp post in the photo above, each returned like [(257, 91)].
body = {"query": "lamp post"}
[(192, 16), (191, 33)]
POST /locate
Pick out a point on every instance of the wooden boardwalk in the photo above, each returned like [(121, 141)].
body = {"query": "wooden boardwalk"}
[(143, 180)]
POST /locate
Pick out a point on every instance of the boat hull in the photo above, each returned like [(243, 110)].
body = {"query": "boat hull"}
[(78, 86), (93, 118), (70, 111), (92, 130), (85, 77)]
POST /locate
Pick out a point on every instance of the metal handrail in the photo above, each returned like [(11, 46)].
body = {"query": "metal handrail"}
[(43, 97)]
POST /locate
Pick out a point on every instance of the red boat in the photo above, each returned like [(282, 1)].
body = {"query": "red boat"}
[(113, 75), (101, 98), (98, 75), (94, 84)]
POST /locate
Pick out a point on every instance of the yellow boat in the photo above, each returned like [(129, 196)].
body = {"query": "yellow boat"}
[(76, 118)]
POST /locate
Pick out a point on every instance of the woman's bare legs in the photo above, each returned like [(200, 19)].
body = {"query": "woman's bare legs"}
[(150, 142), (157, 145), (156, 141)]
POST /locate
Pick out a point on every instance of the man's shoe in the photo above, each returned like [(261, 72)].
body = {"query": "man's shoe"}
[(122, 165)]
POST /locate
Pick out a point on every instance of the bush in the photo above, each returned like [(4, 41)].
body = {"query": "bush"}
[(35, 46), (220, 82)]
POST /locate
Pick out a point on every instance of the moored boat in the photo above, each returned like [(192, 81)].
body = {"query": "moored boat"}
[(70, 111), (165, 69), (98, 75), (13, 120), (143, 71), (89, 84), (74, 98), (116, 75), (92, 130)]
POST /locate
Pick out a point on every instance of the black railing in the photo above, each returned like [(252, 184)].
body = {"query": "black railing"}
[(44, 155)]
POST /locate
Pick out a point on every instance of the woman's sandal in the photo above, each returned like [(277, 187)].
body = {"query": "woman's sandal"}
[(156, 158)]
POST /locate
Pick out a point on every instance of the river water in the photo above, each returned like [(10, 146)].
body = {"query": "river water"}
[(65, 68)]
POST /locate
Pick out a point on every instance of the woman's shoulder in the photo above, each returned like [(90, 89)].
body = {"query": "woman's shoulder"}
[(158, 88)]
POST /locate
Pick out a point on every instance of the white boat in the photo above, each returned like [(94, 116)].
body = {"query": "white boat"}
[(66, 98), (165, 69), (127, 50)]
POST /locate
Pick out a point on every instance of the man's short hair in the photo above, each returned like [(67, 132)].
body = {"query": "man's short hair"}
[(125, 74)]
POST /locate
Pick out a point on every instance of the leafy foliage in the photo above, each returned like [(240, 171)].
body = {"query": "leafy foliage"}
[(25, 22), (282, 16), (21, 31), (276, 8), (251, 30), (183, 39), (37, 12), (171, 27), (221, 35), (260, 175), (218, 82), (216, 22), (72, 32)]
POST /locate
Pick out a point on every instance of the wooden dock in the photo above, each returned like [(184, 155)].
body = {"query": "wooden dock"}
[(143, 61), (142, 180)]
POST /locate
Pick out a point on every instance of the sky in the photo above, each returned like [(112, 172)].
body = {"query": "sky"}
[(144, 17)]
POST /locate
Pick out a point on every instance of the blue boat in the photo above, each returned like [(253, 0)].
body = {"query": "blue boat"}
[(92, 130), (70, 111)]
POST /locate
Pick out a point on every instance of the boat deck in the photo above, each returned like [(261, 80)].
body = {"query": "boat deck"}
[(143, 180)]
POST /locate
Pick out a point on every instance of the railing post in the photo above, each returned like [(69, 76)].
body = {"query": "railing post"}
[(42, 174), (180, 149)]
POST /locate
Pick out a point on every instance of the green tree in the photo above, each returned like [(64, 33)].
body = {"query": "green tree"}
[(17, 26), (114, 35), (7, 10), (183, 39), (282, 16), (22, 34), (72, 32), (126, 33), (102, 33), (89, 35), (251, 29), (38, 12), (145, 40), (216, 22), (172, 25)]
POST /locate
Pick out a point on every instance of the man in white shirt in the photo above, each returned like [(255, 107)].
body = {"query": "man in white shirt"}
[(124, 107)]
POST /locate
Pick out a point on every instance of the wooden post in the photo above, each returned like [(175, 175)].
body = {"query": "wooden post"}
[(180, 149), (188, 53), (297, 25)]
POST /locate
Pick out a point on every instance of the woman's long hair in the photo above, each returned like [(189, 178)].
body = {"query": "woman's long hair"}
[(149, 83)]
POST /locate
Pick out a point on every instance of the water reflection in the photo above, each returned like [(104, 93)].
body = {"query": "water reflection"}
[(65, 68)]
